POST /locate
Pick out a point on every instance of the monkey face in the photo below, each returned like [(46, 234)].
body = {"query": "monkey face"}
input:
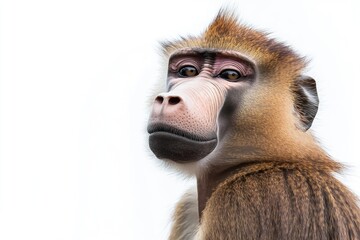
[(203, 86)]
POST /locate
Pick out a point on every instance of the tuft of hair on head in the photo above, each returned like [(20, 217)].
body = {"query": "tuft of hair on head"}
[(227, 32)]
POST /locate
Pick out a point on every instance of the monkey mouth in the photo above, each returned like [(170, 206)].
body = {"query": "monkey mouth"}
[(167, 142)]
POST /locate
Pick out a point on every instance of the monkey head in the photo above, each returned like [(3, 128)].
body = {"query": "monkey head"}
[(232, 95)]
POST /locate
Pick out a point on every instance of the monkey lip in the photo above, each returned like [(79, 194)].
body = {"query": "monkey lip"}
[(167, 129), (167, 142)]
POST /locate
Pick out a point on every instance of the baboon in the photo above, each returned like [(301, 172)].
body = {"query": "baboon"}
[(235, 113)]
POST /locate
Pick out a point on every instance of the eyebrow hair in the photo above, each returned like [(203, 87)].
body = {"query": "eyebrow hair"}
[(211, 52)]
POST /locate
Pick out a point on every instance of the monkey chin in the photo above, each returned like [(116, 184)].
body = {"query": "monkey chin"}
[(179, 148)]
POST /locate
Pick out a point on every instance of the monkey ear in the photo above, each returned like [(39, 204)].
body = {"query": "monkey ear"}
[(306, 100)]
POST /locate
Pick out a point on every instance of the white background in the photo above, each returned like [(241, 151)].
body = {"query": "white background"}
[(75, 79)]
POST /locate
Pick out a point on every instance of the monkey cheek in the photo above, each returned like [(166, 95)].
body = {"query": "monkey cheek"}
[(179, 149)]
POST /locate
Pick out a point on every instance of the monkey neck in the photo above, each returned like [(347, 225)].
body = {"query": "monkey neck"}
[(205, 186), (207, 183), (208, 180)]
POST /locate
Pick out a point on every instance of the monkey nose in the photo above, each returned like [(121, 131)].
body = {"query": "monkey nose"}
[(167, 105), (167, 100)]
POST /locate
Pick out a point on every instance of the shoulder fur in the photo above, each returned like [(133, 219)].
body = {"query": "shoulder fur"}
[(282, 201)]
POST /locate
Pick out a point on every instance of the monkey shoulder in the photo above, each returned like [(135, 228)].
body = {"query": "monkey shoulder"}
[(185, 220), (282, 201)]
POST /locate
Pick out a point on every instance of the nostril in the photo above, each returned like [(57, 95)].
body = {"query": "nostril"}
[(159, 99), (174, 100)]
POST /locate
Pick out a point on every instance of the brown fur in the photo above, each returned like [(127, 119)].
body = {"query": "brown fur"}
[(280, 183), (281, 201)]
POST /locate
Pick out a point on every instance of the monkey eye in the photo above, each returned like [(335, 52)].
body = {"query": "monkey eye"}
[(188, 71), (230, 75)]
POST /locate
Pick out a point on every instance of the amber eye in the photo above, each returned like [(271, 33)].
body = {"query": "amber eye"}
[(230, 75), (188, 71)]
